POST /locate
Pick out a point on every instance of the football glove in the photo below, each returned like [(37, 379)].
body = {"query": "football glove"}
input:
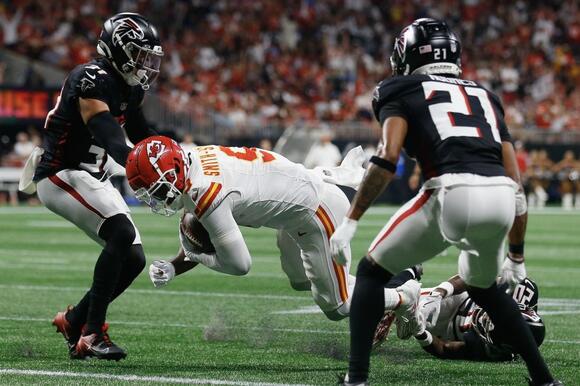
[(512, 273), (340, 240), (430, 307), (161, 272)]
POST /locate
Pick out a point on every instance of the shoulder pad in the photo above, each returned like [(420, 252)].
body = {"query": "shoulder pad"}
[(92, 81), (391, 89)]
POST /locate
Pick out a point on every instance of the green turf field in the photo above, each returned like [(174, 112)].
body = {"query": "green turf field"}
[(208, 328)]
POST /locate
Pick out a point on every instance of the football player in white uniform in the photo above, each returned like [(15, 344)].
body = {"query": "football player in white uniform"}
[(227, 186)]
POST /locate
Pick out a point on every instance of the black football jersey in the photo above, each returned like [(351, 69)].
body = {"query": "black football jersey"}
[(454, 125), (67, 142)]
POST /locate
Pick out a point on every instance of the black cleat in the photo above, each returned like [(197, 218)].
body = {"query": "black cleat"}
[(98, 346), (71, 334)]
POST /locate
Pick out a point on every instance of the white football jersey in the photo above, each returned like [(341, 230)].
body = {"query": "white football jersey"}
[(267, 189)]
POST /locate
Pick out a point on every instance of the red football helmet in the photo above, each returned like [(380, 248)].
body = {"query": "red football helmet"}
[(156, 169)]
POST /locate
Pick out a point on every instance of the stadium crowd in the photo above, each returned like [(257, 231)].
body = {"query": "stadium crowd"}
[(259, 61)]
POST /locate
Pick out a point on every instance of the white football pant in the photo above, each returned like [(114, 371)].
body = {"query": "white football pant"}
[(469, 211), (83, 200)]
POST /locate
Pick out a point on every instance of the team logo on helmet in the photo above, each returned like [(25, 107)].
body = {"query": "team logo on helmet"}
[(127, 28), (155, 150)]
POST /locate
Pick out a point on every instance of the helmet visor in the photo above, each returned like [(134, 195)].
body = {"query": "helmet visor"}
[(146, 63)]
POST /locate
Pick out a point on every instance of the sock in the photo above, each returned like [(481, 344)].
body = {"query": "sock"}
[(105, 278), (132, 267), (366, 310), (78, 315), (507, 318)]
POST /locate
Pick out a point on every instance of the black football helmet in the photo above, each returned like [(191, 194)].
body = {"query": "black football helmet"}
[(132, 45), (427, 46), (484, 327)]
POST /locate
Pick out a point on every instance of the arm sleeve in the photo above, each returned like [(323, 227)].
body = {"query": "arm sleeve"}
[(478, 350), (109, 134), (136, 126), (232, 254)]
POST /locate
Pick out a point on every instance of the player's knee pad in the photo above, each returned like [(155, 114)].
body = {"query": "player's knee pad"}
[(368, 268), (119, 233), (301, 286)]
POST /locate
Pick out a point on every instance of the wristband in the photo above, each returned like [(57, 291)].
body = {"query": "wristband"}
[(518, 249), (425, 339), (383, 163), (448, 287)]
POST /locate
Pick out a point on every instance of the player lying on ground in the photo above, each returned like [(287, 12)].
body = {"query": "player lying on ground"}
[(457, 328), (456, 130), (225, 187), (81, 133)]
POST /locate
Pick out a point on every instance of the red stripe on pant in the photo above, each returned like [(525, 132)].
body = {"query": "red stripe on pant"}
[(76, 195), (414, 208)]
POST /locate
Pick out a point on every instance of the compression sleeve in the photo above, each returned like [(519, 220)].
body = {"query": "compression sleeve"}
[(232, 254), (136, 126), (109, 134)]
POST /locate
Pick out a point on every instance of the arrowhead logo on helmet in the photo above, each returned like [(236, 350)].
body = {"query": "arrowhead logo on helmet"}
[(157, 172)]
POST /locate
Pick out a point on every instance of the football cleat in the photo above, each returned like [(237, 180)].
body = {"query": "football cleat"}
[(407, 318), (383, 329), (71, 335), (343, 381), (98, 345)]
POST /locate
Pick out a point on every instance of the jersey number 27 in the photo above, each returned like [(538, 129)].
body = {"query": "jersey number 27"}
[(442, 113)]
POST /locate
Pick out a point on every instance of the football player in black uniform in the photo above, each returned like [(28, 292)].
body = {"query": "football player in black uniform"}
[(84, 130), (456, 131)]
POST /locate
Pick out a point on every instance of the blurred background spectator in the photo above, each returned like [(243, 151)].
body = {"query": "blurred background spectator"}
[(254, 68)]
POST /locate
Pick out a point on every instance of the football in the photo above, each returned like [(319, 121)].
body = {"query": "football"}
[(196, 234)]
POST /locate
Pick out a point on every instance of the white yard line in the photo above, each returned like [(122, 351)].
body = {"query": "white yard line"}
[(191, 326), (138, 378), (162, 292)]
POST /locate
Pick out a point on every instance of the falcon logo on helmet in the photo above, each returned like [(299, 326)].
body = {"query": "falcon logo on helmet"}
[(127, 28)]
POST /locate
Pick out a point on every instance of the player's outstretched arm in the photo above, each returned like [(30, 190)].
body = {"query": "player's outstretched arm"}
[(513, 269), (379, 173), (443, 349), (105, 128)]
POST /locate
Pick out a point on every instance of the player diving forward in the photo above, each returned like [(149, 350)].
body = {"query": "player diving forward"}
[(455, 129), (69, 172), (225, 187)]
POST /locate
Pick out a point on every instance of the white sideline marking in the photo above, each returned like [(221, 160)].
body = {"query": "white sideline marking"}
[(162, 292), (139, 378), (183, 325)]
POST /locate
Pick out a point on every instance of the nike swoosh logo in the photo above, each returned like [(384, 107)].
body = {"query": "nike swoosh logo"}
[(300, 234), (90, 76)]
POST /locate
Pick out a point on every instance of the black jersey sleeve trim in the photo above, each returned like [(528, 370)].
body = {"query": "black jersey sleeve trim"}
[(392, 109), (109, 134)]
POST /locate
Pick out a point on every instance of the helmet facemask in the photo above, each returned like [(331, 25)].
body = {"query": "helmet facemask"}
[(143, 65), (163, 196)]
